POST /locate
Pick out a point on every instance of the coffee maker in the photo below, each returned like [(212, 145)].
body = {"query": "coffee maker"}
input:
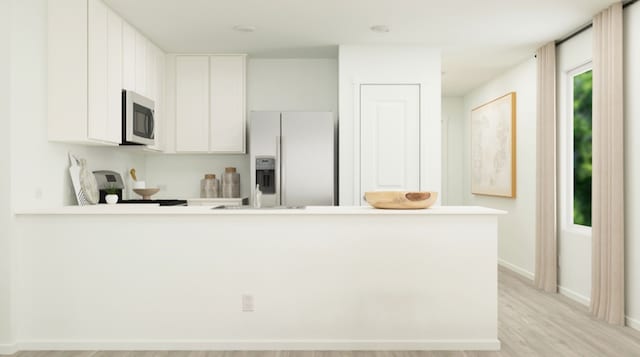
[(109, 180)]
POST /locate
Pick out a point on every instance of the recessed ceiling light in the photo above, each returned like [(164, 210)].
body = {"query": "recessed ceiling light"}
[(380, 28), (244, 28)]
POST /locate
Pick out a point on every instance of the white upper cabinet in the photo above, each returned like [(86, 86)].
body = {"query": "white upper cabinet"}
[(155, 74), (141, 64), (227, 101), (84, 72), (98, 71), (210, 103), (114, 79), (93, 54), (128, 57), (192, 104)]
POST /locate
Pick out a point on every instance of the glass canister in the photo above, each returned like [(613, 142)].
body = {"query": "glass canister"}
[(230, 183), (209, 186)]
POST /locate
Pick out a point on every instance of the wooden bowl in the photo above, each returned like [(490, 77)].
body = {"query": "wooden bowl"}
[(146, 193), (400, 199)]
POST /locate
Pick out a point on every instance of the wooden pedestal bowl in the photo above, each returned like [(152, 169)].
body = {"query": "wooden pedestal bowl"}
[(400, 199)]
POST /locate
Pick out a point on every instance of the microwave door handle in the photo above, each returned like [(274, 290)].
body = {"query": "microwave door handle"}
[(150, 126)]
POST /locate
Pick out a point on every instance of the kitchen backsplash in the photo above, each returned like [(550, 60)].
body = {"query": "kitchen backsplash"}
[(178, 176)]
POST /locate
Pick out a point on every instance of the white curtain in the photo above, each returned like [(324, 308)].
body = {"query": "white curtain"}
[(546, 276), (607, 291)]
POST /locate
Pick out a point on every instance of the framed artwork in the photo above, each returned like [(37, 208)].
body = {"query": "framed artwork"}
[(493, 147)]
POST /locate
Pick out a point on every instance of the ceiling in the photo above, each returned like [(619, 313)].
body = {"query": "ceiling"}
[(479, 39)]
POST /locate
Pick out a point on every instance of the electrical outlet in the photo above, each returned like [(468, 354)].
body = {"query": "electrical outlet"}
[(38, 193), (162, 187), (247, 303)]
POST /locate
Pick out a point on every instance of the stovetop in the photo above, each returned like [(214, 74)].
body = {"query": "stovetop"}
[(160, 202)]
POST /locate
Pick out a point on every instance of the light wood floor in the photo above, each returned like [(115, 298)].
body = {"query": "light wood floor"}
[(532, 323)]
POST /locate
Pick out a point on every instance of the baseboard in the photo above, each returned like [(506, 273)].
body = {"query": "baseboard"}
[(633, 323), (264, 345), (8, 349), (579, 298), (516, 269)]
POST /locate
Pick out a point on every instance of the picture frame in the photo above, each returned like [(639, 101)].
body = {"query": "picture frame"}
[(493, 147)]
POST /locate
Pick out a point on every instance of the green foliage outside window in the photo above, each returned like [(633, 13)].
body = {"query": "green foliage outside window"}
[(582, 110)]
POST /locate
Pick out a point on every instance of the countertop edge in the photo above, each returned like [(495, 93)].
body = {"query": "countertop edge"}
[(105, 210)]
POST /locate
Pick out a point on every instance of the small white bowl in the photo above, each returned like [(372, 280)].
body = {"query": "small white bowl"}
[(139, 184)]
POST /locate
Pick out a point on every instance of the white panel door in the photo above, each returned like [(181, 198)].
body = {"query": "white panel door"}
[(390, 137), (97, 73), (114, 80), (141, 64), (128, 57), (227, 130), (192, 103)]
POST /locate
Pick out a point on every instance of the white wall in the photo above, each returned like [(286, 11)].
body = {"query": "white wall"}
[(516, 245), (5, 178), (632, 162), (394, 65), (40, 168), (33, 172), (453, 144), (574, 244), (292, 84), (178, 176), (272, 84)]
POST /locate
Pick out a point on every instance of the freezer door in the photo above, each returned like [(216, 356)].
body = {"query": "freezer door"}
[(307, 159), (264, 141)]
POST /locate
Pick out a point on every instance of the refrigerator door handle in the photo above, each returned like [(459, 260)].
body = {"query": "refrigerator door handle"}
[(278, 170), (283, 169)]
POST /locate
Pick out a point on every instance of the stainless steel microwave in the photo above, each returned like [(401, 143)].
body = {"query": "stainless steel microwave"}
[(138, 123)]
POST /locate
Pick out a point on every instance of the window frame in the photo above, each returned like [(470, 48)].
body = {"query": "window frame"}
[(567, 140)]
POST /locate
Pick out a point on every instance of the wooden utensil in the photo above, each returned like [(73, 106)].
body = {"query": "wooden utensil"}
[(132, 172)]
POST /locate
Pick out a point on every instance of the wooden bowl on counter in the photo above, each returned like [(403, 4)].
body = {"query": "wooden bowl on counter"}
[(401, 199), (146, 193)]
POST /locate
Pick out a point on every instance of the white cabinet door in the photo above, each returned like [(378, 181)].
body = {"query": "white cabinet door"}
[(97, 71), (158, 95), (114, 80), (390, 137), (128, 57), (227, 100), (104, 73), (192, 103), (141, 64), (150, 70)]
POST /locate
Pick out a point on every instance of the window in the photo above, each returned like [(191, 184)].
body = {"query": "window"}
[(581, 89)]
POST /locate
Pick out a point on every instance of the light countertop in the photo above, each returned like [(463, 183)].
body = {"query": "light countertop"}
[(149, 209)]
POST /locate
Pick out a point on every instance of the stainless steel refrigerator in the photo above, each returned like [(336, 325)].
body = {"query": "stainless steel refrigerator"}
[(292, 158)]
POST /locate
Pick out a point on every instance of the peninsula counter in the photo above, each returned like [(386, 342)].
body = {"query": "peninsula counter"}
[(320, 278)]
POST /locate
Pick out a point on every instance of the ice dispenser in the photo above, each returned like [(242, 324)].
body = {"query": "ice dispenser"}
[(266, 174)]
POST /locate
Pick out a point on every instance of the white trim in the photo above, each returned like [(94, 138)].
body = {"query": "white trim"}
[(357, 182), (579, 298), (633, 323), (516, 269), (253, 345), (8, 349), (444, 128)]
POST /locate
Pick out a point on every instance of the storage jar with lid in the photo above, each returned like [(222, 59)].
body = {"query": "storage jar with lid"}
[(209, 186), (230, 183)]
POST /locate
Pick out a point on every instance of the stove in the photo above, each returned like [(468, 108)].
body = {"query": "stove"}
[(160, 202)]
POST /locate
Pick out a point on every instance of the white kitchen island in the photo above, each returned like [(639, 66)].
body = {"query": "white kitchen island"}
[(321, 278)]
